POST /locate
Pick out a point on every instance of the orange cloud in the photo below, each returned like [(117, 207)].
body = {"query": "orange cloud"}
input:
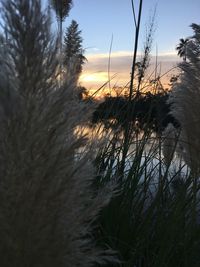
[(96, 73)]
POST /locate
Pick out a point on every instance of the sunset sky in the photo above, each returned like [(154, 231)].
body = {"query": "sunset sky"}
[(99, 20)]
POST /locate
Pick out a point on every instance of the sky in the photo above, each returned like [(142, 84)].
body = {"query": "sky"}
[(100, 21)]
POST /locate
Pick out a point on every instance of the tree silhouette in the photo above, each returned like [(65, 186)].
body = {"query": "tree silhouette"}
[(73, 47), (62, 8), (182, 48)]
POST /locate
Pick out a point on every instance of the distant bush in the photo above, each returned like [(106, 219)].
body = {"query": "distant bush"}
[(148, 109)]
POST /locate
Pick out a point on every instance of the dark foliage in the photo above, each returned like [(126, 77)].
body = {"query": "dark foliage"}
[(150, 111), (62, 8), (73, 47)]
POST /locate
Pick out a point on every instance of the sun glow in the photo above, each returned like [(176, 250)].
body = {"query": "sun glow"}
[(100, 82), (94, 78), (88, 78)]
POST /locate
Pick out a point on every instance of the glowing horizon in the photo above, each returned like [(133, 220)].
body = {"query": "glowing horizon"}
[(96, 73)]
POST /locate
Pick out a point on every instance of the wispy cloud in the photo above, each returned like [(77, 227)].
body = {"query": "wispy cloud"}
[(92, 49), (113, 54)]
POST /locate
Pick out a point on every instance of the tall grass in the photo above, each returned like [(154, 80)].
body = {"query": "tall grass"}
[(154, 219), (53, 185), (48, 206), (151, 221)]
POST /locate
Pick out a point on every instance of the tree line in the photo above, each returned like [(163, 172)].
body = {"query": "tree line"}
[(146, 111)]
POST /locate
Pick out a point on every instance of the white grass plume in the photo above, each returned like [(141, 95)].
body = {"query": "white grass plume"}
[(47, 206), (185, 99), (170, 138)]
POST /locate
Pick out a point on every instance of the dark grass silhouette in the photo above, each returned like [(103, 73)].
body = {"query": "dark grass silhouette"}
[(47, 205)]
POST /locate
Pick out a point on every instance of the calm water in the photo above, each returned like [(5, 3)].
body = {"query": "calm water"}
[(152, 156)]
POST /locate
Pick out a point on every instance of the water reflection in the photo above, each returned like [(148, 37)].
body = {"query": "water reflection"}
[(147, 145)]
